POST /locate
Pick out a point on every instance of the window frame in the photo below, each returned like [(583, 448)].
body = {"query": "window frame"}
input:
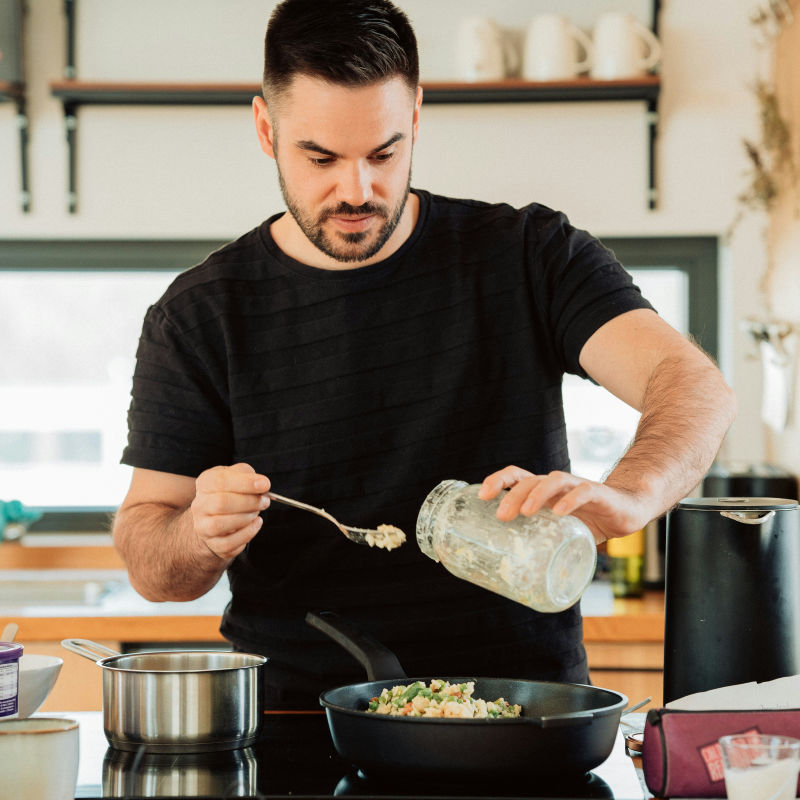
[(696, 256)]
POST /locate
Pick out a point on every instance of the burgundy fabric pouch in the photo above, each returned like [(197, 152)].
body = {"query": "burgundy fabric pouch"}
[(681, 756)]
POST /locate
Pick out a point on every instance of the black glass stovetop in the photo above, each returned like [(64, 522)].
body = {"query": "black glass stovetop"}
[(295, 758)]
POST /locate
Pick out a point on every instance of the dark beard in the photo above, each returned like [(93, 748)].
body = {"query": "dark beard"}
[(314, 232)]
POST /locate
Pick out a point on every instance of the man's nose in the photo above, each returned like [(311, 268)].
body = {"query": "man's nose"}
[(355, 185)]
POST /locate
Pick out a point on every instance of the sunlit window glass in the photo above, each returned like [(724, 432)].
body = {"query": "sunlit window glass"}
[(68, 348)]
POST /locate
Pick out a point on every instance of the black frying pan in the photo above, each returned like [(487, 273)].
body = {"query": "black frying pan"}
[(566, 729)]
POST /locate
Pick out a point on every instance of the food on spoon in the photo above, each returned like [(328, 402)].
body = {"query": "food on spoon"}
[(388, 537), (440, 698)]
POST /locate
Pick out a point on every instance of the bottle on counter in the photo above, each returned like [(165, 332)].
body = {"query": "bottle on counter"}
[(544, 561), (10, 654), (626, 564)]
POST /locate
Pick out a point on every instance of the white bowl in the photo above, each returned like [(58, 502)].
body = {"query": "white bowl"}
[(37, 676)]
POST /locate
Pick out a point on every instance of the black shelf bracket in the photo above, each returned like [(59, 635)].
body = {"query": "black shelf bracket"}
[(22, 127), (15, 92), (70, 131), (69, 67)]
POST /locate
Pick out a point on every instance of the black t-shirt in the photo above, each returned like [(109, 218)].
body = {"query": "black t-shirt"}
[(359, 390)]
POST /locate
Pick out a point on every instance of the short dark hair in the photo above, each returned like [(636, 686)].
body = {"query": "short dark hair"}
[(347, 42)]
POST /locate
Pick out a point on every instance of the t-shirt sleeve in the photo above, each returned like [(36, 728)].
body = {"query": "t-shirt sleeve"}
[(580, 286), (178, 420)]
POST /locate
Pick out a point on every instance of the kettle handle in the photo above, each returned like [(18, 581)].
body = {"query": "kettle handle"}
[(745, 516)]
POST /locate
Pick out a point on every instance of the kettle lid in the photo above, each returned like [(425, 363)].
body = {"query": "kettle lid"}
[(737, 504)]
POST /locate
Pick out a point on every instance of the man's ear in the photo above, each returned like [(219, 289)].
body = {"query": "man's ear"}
[(415, 123), (264, 128)]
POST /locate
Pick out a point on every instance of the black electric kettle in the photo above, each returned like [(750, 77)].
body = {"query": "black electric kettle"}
[(732, 593)]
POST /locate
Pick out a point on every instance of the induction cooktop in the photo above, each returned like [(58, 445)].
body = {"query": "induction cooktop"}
[(295, 758)]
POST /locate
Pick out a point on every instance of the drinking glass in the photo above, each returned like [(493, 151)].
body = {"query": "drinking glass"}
[(760, 766)]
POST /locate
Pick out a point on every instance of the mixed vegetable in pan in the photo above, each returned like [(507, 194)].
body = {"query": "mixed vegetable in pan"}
[(440, 698)]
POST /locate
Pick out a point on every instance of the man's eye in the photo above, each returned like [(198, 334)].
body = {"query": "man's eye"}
[(383, 156), (323, 161)]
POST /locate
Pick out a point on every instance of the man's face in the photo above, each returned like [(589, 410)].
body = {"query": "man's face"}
[(344, 162)]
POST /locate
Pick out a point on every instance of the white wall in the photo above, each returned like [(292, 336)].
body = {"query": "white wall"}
[(198, 172)]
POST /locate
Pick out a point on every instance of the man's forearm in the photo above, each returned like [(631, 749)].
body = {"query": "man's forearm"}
[(686, 411), (164, 557)]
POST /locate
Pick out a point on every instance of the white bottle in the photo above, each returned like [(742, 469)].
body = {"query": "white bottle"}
[(544, 561)]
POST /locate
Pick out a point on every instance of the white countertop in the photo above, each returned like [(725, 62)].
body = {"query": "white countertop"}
[(115, 596)]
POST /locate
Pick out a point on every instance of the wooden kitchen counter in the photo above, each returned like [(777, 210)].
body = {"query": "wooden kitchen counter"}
[(639, 620), (120, 629), (626, 648), (634, 619)]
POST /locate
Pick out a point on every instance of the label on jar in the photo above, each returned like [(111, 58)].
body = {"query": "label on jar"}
[(9, 688)]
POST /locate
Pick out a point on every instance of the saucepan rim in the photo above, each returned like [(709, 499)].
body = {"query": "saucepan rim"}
[(108, 662)]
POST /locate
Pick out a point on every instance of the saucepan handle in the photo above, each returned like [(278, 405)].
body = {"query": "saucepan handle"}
[(88, 649), (379, 662)]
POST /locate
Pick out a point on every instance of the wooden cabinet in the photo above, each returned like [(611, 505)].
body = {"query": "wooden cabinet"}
[(626, 649), (634, 668)]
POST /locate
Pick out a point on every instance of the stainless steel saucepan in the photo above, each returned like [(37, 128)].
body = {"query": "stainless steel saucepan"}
[(182, 701)]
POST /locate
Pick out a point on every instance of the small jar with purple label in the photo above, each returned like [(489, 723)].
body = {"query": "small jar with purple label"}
[(10, 654)]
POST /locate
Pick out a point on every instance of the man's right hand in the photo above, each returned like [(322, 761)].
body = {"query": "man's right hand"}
[(226, 510), (178, 534)]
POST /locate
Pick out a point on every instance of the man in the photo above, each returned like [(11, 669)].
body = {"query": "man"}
[(368, 344)]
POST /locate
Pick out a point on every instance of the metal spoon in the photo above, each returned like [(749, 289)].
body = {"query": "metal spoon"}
[(384, 536)]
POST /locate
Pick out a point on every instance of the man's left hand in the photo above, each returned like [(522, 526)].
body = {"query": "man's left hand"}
[(608, 512)]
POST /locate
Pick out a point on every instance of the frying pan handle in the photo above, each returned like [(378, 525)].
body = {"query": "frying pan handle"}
[(379, 662), (88, 649), (572, 720)]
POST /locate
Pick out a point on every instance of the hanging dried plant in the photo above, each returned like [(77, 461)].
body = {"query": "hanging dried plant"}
[(773, 167), (771, 17)]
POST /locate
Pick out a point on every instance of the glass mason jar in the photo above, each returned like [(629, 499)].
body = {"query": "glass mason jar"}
[(544, 561)]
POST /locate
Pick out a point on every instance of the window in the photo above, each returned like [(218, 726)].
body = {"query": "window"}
[(70, 317), (679, 277)]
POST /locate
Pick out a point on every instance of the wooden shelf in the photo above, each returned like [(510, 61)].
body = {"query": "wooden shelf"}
[(10, 90), (519, 91), (77, 93)]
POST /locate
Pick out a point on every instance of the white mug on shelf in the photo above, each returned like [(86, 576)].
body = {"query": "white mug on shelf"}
[(623, 47), (552, 49), (483, 53)]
